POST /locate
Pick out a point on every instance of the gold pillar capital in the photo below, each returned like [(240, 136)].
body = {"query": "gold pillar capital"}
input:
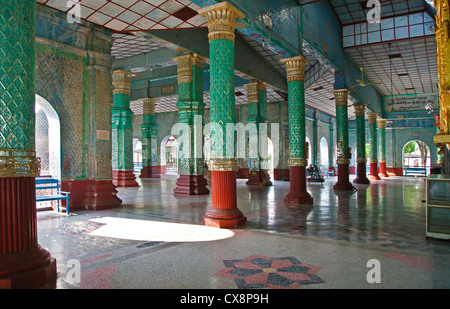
[(221, 19), (372, 117), (148, 106), (381, 123), (341, 97), (360, 109), (121, 81), (185, 63), (253, 92), (295, 68)]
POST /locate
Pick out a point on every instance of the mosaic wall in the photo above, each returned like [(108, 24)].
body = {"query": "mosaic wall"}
[(78, 95), (276, 113)]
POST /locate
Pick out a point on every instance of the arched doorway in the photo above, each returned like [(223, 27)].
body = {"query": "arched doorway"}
[(48, 138), (416, 158), (137, 155), (310, 150), (169, 155), (324, 155)]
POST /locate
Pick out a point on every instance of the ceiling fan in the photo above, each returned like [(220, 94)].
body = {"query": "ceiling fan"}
[(362, 82)]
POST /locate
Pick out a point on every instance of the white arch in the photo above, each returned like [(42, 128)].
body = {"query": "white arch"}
[(54, 135), (324, 153)]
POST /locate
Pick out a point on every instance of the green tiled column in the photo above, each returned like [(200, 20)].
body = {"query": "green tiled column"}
[(382, 135), (361, 159), (190, 114), (373, 146), (257, 114), (23, 262), (343, 151), (122, 131), (149, 140), (222, 19), (298, 161)]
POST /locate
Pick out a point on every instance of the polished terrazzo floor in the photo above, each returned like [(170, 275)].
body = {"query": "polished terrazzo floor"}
[(156, 240)]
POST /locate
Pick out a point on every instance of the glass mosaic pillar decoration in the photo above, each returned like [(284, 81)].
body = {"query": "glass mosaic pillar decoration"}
[(23, 262), (343, 151), (373, 175), (221, 19), (361, 159), (382, 136), (442, 139), (298, 195), (257, 114), (149, 140), (190, 112), (122, 131)]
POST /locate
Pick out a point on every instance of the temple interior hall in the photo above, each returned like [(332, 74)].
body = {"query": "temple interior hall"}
[(224, 145)]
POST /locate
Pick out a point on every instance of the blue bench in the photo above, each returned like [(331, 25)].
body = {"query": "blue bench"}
[(50, 183), (137, 167), (416, 170)]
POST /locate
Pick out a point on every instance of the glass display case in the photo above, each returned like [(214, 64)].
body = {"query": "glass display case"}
[(438, 206)]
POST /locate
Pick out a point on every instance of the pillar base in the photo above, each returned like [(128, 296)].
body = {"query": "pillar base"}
[(259, 178), (191, 185), (343, 183), (100, 194), (383, 172), (150, 172), (224, 212), (124, 179), (28, 269), (361, 177), (298, 194), (374, 171)]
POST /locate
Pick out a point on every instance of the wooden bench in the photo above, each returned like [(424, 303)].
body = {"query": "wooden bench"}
[(50, 184), (416, 170)]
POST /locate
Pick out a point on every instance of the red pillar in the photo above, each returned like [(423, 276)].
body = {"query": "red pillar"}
[(374, 171), (361, 177), (343, 183), (150, 172), (298, 195), (23, 263), (383, 172), (224, 212)]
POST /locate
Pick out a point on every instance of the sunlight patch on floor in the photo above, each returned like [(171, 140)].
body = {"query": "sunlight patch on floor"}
[(144, 230)]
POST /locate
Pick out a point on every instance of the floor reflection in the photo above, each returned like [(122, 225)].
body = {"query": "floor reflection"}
[(389, 212)]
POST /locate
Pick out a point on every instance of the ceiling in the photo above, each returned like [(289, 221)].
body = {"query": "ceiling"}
[(414, 72)]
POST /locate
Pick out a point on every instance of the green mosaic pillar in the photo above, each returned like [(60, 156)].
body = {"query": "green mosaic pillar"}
[(382, 135), (149, 140), (23, 262), (257, 114), (221, 19), (373, 146), (343, 151), (190, 115), (122, 131), (361, 160), (298, 161)]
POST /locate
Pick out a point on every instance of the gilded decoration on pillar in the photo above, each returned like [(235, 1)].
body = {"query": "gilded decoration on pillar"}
[(381, 123), (360, 109), (372, 117), (221, 20), (19, 163), (298, 162), (223, 164), (253, 92), (341, 96), (121, 81), (148, 106), (443, 57), (343, 157), (185, 63), (295, 68)]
